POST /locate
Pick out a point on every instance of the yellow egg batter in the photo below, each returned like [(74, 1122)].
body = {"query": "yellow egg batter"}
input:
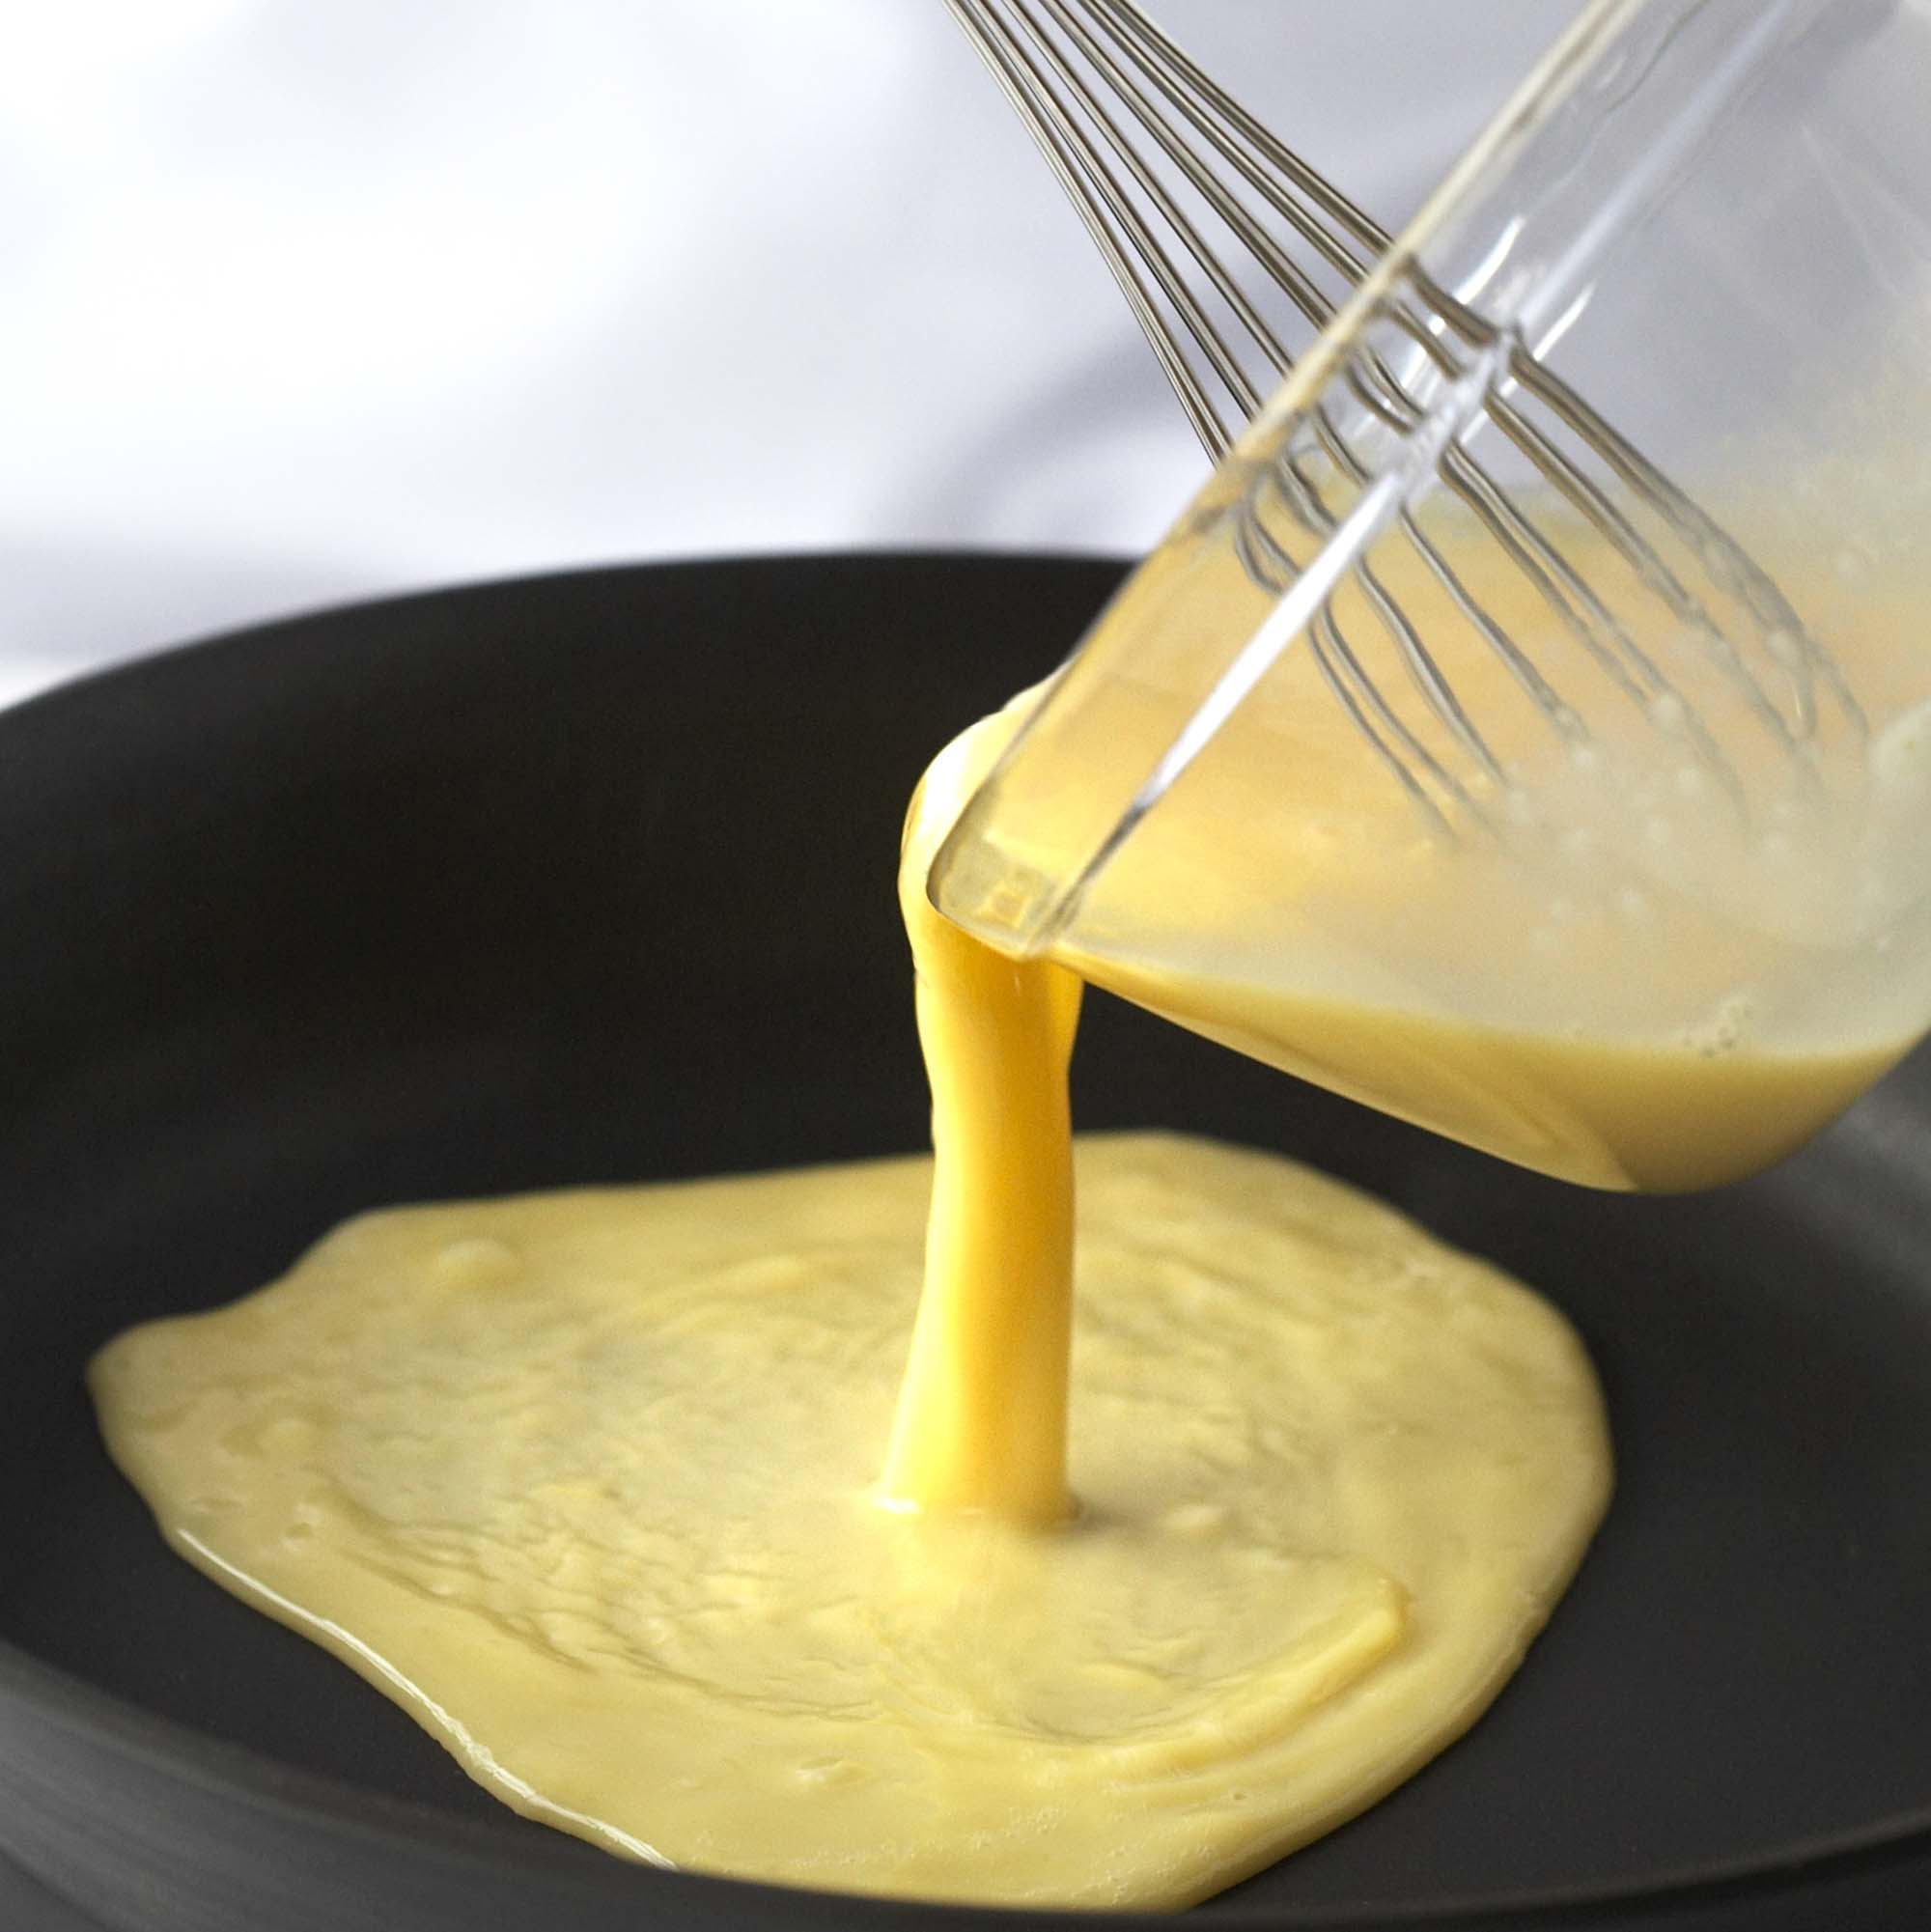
[(590, 1483), (587, 1482), (1662, 1116)]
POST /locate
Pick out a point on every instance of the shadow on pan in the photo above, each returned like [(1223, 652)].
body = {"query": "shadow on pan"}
[(589, 878)]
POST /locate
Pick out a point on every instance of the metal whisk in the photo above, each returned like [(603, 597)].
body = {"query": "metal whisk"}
[(1150, 148)]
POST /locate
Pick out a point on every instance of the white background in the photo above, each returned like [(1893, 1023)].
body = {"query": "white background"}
[(304, 301)]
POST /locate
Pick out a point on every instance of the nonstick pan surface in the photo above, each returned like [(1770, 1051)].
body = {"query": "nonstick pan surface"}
[(590, 878)]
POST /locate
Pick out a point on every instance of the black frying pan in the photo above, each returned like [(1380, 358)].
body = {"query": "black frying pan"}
[(590, 878)]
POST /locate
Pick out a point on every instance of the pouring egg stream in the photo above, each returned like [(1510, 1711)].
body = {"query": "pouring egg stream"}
[(632, 1497)]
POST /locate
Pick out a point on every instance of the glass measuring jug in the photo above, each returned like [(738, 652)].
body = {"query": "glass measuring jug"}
[(1595, 831)]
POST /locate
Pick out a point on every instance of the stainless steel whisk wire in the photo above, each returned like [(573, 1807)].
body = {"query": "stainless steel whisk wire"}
[(1077, 84)]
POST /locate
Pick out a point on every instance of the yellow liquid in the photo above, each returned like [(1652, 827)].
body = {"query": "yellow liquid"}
[(1606, 969), (589, 1484), (586, 1482), (1662, 1118)]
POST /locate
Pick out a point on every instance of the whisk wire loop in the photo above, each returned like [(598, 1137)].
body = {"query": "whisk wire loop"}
[(1152, 150)]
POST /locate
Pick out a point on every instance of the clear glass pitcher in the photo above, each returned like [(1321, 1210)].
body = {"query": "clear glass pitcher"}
[(1549, 761)]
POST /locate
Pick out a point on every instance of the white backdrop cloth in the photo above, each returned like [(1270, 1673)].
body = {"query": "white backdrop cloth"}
[(304, 303)]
